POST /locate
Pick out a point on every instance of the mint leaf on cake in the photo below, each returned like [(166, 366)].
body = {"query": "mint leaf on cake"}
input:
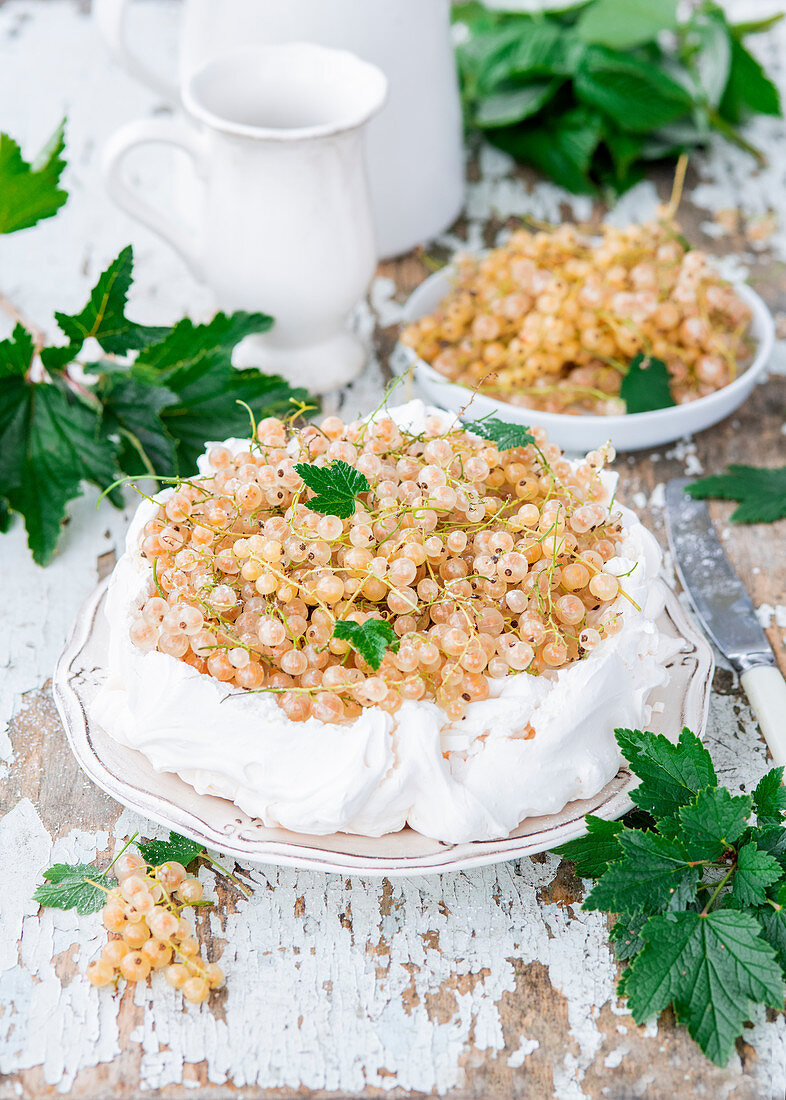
[(504, 434), (371, 639), (336, 487)]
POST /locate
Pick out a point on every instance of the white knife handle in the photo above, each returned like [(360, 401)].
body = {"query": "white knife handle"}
[(766, 691)]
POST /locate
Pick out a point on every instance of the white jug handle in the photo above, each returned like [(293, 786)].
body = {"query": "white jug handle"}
[(110, 16), (156, 131)]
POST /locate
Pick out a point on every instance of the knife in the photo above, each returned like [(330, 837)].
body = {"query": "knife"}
[(725, 610)]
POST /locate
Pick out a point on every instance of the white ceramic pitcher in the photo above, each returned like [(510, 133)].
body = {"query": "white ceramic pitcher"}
[(275, 135), (414, 147)]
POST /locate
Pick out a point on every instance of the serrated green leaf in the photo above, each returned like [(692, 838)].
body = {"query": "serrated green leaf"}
[(772, 919), (49, 445), (707, 50), (591, 854), (761, 492), (623, 24), (711, 968), (505, 106), (671, 775), (69, 886), (624, 152), (562, 147), (336, 486), (637, 95), (188, 344), (104, 319), (652, 870), (371, 639), (769, 798), (756, 26), (749, 90), (132, 411), (195, 363), (626, 934), (713, 822), (29, 193), (645, 386), (772, 840), (755, 872), (16, 353), (505, 435), (179, 849)]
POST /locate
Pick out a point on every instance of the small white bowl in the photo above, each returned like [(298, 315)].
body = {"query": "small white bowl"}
[(584, 432)]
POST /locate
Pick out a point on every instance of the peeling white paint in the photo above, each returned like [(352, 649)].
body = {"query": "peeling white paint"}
[(765, 613), (522, 1052)]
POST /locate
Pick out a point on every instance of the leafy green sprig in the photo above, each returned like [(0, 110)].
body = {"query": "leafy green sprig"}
[(759, 492), (84, 886), (697, 888), (593, 93), (370, 639), (148, 406)]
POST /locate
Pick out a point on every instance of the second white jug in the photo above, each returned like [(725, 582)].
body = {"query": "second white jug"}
[(414, 147)]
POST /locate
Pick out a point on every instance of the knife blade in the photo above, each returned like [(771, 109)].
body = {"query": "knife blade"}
[(725, 610), (718, 595)]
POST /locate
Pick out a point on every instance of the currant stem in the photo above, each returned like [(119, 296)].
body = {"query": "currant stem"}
[(227, 874), (719, 887), (127, 844)]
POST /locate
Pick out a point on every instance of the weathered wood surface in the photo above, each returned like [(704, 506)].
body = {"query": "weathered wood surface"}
[(492, 983)]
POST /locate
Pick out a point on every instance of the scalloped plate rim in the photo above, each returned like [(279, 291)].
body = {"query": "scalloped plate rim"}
[(271, 846)]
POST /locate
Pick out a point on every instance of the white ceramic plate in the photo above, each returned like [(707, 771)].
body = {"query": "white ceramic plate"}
[(582, 433), (129, 777)]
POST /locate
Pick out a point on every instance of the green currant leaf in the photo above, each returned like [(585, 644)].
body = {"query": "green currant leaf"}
[(132, 412), (194, 362), (179, 849), (711, 968), (749, 90), (623, 24), (626, 934), (505, 435), (562, 147), (638, 96), (371, 639), (591, 854), (336, 487), (49, 445), (652, 870), (671, 775), (772, 918), (71, 886), (771, 839), (29, 192), (645, 387), (761, 493), (16, 353), (104, 319), (769, 798), (713, 822), (756, 870), (509, 105)]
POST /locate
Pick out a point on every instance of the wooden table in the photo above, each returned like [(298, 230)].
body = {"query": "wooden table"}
[(492, 983)]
